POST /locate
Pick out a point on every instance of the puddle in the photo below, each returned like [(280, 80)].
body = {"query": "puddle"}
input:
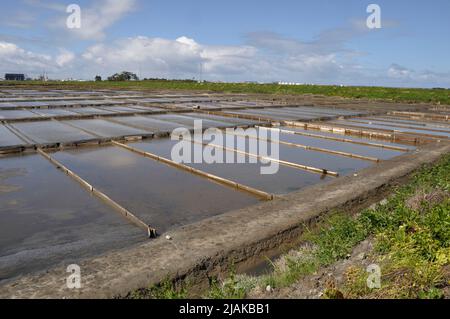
[(162, 196), (47, 218)]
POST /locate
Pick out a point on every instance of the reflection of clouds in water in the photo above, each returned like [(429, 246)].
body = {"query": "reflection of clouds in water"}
[(59, 215), (107, 157), (8, 188), (5, 174), (119, 161)]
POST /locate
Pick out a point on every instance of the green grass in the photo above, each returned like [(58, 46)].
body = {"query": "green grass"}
[(406, 95), (412, 245), (411, 234), (165, 290)]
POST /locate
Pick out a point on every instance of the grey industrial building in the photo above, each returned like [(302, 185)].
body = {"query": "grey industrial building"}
[(14, 77)]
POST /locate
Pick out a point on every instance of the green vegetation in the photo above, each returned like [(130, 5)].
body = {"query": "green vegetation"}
[(165, 290), (123, 76), (437, 96), (411, 235)]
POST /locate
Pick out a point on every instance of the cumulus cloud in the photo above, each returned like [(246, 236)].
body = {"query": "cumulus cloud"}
[(16, 59), (407, 75), (158, 57), (13, 57), (101, 15), (96, 17), (186, 58), (64, 58)]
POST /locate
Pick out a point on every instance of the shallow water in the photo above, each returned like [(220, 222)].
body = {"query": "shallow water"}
[(104, 128), (286, 180), (7, 138), (91, 110), (379, 153), (187, 120), (417, 126), (392, 128), (162, 196), (340, 164), (326, 110), (149, 122), (232, 120), (55, 112), (47, 132), (47, 218), (402, 121), (348, 137), (273, 115), (19, 114)]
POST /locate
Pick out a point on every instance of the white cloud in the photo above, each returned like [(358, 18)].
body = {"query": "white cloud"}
[(406, 75), (65, 57), (15, 59), (186, 58), (101, 15), (399, 72)]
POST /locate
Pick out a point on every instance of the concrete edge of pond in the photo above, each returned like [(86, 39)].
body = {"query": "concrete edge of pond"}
[(207, 248)]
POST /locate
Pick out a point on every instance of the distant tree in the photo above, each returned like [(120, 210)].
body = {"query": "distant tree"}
[(98, 78), (124, 76)]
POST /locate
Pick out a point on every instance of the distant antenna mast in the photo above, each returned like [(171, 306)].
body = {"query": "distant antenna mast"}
[(201, 71)]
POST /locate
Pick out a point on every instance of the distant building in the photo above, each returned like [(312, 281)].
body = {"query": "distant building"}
[(14, 77)]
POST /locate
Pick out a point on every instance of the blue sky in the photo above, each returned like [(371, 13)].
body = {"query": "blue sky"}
[(320, 42)]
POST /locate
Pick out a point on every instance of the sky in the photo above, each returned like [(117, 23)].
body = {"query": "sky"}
[(315, 42)]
